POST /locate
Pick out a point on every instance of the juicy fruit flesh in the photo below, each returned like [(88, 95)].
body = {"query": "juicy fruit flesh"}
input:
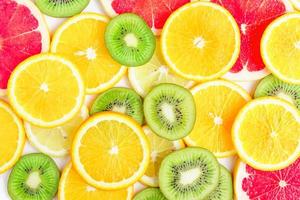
[(156, 16), (252, 17), (150, 194), (19, 37)]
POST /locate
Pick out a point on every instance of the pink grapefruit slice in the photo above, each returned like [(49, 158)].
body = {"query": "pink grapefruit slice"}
[(154, 12), (252, 184), (252, 16), (23, 33)]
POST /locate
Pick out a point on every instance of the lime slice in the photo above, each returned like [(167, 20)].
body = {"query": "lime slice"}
[(55, 141)]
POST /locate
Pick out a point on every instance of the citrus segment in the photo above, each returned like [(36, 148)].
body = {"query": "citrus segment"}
[(120, 143), (23, 33), (42, 97), (81, 38), (217, 104), (12, 135), (159, 148), (191, 32), (266, 133), (55, 141), (73, 187), (282, 34)]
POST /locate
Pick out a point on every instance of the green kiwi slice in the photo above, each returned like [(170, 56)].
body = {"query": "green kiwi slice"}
[(129, 40), (122, 100), (61, 8), (170, 111), (272, 86), (34, 177), (150, 194), (224, 189), (190, 173)]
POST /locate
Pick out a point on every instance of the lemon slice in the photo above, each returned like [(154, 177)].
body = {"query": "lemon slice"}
[(200, 41), (217, 104), (55, 141), (110, 151), (160, 148), (46, 90), (266, 134), (12, 136), (73, 187), (145, 77), (81, 38), (280, 48)]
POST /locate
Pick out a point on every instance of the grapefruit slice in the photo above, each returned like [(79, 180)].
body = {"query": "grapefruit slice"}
[(23, 33), (252, 184), (154, 12), (252, 16)]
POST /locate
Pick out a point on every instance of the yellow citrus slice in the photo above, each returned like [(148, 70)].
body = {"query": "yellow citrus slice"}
[(110, 151), (81, 38), (159, 148), (145, 77), (46, 90), (55, 141), (280, 48), (12, 136), (266, 134), (201, 41), (217, 104), (73, 187)]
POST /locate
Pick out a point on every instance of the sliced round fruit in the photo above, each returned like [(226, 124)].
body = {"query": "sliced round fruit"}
[(40, 96), (145, 77), (35, 176), (55, 141), (170, 111), (58, 8), (159, 149), (155, 17), (272, 86), (120, 143), (296, 4), (23, 33), (190, 173), (191, 32), (150, 194), (122, 100), (254, 184), (282, 34), (224, 190), (81, 38), (73, 187), (217, 104), (129, 40), (266, 134), (12, 135), (252, 18)]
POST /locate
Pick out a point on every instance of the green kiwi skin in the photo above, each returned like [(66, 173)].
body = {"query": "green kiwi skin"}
[(150, 194), (189, 158), (119, 96), (272, 86), (35, 162), (224, 190), (184, 109), (114, 36), (68, 8)]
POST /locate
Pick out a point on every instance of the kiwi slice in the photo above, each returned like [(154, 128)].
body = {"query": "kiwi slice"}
[(170, 111), (34, 177), (272, 86), (150, 194), (122, 100), (224, 189), (61, 8), (190, 173), (129, 40)]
